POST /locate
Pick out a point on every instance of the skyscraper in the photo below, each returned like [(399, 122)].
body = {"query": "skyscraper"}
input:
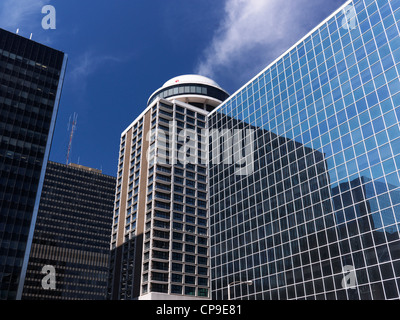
[(72, 234), (31, 81), (316, 214), (160, 233)]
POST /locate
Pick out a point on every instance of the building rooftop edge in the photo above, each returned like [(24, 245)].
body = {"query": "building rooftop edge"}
[(78, 166), (282, 55), (36, 42)]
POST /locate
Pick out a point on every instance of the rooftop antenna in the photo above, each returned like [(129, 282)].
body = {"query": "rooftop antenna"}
[(73, 129)]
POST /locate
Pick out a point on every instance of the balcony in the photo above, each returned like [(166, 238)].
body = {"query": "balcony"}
[(162, 196), (157, 265), (162, 205), (162, 215), (160, 255), (163, 178), (165, 114), (161, 244), (161, 234), (161, 224), (163, 187), (161, 277), (164, 169), (164, 106)]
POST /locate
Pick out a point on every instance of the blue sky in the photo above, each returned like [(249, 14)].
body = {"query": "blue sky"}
[(121, 51)]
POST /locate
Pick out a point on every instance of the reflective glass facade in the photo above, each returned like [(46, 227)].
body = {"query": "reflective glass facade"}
[(31, 77), (317, 216)]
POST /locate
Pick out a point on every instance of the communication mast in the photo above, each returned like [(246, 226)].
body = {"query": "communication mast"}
[(73, 129)]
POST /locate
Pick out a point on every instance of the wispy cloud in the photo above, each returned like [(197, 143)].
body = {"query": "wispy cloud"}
[(255, 32), (24, 14), (83, 66), (88, 63)]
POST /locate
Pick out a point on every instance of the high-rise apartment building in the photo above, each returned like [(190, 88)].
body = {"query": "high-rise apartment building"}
[(316, 213), (160, 229), (31, 78), (72, 235)]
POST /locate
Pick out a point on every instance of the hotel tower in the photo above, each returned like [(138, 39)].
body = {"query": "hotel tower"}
[(159, 239)]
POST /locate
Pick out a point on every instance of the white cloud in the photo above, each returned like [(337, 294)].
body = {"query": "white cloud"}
[(88, 63), (255, 32), (23, 14), (82, 66)]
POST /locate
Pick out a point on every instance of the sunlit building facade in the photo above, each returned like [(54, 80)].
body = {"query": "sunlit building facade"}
[(316, 215)]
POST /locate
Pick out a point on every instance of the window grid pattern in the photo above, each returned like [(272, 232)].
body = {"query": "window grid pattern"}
[(71, 234), (31, 76), (324, 193), (175, 258)]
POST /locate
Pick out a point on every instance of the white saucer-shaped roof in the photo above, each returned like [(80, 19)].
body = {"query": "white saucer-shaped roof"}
[(191, 88), (191, 78)]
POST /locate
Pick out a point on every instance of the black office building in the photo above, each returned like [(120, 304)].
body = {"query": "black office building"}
[(72, 234), (31, 78)]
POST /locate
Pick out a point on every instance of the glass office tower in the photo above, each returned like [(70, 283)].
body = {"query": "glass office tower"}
[(31, 78), (316, 213)]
